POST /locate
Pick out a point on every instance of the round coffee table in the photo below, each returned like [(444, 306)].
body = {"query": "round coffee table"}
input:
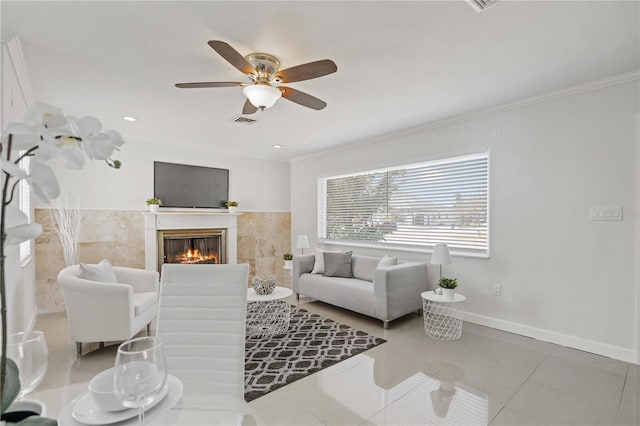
[(268, 314)]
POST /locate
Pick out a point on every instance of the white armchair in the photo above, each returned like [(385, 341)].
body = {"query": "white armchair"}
[(104, 312)]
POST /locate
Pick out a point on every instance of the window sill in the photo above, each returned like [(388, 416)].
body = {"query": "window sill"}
[(404, 248)]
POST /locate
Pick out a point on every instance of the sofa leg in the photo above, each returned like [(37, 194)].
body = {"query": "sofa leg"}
[(79, 347), (297, 296), (385, 324), (149, 329)]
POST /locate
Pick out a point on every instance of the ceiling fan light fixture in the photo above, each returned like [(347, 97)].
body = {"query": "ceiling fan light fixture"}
[(266, 76), (262, 95)]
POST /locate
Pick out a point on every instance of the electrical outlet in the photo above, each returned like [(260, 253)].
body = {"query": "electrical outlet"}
[(605, 213), (496, 289)]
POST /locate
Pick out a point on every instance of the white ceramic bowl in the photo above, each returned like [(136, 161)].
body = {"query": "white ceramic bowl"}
[(102, 390)]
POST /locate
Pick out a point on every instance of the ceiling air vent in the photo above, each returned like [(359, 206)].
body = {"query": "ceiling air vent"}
[(244, 120), (482, 5)]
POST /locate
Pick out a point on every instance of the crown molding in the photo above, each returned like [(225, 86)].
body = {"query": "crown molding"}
[(546, 97), (14, 48)]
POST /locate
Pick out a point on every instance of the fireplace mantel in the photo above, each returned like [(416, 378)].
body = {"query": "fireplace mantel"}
[(190, 219)]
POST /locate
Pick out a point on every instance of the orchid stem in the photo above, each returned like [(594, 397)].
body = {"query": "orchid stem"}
[(3, 295), (13, 189), (26, 154)]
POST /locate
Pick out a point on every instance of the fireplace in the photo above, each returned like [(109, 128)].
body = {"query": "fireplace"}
[(192, 246), (193, 222)]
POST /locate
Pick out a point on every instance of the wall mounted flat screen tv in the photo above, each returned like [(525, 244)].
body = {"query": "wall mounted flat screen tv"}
[(181, 185)]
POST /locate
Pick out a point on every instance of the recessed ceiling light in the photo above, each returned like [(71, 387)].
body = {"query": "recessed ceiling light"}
[(127, 118), (277, 146)]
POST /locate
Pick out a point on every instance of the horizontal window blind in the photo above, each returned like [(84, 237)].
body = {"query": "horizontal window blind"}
[(445, 201)]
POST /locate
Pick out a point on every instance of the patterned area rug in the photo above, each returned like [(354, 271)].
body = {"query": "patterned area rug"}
[(311, 344)]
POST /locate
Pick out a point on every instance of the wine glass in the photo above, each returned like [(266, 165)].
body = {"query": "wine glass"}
[(140, 372), (30, 353)]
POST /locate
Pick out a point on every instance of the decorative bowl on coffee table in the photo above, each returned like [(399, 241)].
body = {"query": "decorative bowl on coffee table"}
[(264, 285)]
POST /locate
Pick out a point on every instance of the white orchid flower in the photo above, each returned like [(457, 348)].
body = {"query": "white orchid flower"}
[(69, 143), (47, 148), (83, 127), (45, 114), (116, 138), (99, 147), (23, 136), (18, 228), (73, 158), (71, 152), (12, 169), (46, 129), (43, 181), (15, 217), (42, 123)]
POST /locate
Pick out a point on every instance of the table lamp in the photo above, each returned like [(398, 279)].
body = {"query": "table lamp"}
[(303, 242), (440, 256)]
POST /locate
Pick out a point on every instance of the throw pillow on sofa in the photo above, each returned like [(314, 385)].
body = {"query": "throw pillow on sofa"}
[(337, 264), (387, 261), (102, 272), (318, 265)]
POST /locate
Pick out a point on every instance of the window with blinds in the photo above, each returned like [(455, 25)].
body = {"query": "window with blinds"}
[(444, 201)]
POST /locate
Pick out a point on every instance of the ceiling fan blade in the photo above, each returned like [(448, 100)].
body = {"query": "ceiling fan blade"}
[(307, 71), (302, 98), (209, 84), (232, 56), (248, 108)]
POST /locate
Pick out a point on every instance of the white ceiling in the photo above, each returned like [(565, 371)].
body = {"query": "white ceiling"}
[(400, 64)]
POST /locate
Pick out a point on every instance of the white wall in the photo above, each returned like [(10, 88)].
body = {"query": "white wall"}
[(564, 278), (258, 185)]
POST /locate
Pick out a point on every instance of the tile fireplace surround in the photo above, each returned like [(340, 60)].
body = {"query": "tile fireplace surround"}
[(119, 236)]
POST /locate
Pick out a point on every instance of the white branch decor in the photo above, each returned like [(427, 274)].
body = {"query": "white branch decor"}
[(66, 219)]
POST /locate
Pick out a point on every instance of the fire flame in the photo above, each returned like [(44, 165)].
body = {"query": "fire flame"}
[(194, 256)]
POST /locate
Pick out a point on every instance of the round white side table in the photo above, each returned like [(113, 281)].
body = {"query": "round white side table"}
[(268, 314), (443, 317)]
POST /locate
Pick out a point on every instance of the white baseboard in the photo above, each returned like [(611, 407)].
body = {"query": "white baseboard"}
[(605, 349)]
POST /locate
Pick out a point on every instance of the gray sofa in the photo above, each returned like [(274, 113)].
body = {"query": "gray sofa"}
[(386, 293)]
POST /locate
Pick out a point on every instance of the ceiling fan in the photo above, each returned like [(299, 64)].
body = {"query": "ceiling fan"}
[(264, 72)]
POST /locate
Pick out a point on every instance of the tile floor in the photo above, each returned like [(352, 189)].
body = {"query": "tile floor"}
[(486, 377)]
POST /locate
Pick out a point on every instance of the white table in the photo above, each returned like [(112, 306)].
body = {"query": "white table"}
[(187, 411), (443, 317), (268, 314)]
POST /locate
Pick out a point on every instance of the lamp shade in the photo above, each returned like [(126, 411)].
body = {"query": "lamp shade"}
[(262, 95), (303, 242), (440, 255)]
